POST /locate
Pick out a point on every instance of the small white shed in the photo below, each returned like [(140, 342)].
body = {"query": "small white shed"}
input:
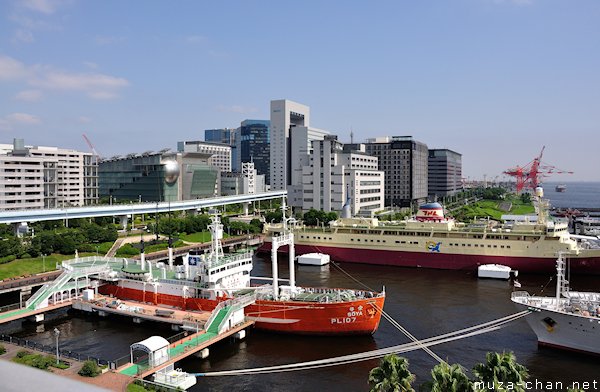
[(157, 348)]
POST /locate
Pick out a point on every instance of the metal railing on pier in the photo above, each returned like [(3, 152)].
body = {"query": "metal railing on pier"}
[(28, 344)]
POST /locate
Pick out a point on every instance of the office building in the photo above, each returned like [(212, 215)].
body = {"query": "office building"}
[(46, 177), (404, 162), (253, 144), (248, 181), (220, 154), (228, 136), (335, 174), (445, 173), (159, 176), (291, 146)]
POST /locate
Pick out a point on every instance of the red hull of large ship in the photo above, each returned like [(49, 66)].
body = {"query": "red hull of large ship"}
[(359, 317), (435, 260)]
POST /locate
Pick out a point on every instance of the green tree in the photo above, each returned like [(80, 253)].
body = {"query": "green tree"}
[(89, 369), (392, 375), (273, 216), (449, 378), (500, 373)]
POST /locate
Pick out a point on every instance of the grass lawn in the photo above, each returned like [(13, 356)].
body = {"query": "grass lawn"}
[(203, 236), (485, 208), (22, 267)]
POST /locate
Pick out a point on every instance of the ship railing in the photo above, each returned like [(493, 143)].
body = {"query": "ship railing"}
[(235, 304), (179, 282), (229, 259), (520, 294), (584, 296), (215, 312)]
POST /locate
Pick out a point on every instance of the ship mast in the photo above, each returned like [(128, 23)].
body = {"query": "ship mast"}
[(562, 285), (216, 234), (542, 205)]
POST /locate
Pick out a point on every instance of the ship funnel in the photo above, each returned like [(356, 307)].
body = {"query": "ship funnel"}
[(346, 213), (539, 191)]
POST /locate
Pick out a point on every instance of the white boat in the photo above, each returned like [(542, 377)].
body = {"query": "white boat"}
[(495, 271), (313, 259), (570, 320)]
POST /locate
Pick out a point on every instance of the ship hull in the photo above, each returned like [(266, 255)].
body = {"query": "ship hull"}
[(439, 260), (356, 317), (565, 331)]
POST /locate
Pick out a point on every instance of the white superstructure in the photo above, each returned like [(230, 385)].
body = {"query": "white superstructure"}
[(570, 320)]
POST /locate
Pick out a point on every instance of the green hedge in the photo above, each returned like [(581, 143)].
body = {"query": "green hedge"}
[(7, 259)]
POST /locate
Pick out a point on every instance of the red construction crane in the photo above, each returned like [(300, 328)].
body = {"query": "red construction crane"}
[(96, 155), (530, 175)]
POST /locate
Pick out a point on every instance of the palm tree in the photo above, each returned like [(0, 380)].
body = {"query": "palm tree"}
[(449, 378), (501, 372), (392, 375)]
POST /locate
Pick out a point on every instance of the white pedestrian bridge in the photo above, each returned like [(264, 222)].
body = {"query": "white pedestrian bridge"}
[(123, 210)]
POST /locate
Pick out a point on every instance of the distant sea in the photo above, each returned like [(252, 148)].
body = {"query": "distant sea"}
[(577, 194)]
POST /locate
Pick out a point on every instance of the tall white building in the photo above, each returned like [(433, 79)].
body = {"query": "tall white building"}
[(291, 146), (220, 153), (46, 177), (333, 175)]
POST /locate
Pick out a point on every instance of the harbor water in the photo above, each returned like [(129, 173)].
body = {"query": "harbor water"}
[(426, 302), (576, 195)]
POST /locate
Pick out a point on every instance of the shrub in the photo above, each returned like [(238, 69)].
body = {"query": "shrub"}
[(7, 259), (2, 349), (128, 250), (41, 362), (89, 369), (23, 354), (25, 256)]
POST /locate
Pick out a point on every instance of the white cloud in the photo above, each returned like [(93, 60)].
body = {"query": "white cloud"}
[(82, 82), (44, 77), (237, 109), (43, 6), (11, 69), (84, 119), (23, 118), (29, 95)]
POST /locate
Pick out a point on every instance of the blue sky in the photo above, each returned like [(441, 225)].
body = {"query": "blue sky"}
[(492, 79)]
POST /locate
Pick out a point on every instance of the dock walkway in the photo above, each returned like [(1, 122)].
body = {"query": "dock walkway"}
[(184, 348)]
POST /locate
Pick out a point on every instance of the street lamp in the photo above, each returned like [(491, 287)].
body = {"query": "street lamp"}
[(57, 334), (97, 250), (44, 261)]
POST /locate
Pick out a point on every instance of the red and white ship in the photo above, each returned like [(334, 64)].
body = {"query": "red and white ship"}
[(205, 280), (430, 240)]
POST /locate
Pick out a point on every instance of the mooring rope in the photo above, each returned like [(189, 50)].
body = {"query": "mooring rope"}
[(368, 355)]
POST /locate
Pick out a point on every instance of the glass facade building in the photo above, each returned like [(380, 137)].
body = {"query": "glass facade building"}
[(254, 145), (146, 177)]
